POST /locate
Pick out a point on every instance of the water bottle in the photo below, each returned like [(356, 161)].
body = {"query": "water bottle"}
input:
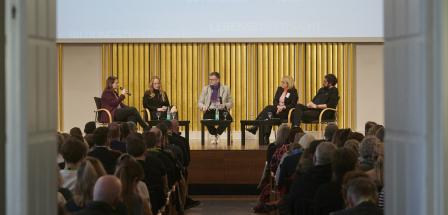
[(168, 114), (216, 114)]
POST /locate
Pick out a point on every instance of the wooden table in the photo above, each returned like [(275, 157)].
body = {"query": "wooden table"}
[(261, 126), (212, 122)]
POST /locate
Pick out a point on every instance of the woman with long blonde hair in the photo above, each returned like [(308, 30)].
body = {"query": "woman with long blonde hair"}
[(156, 99), (285, 98)]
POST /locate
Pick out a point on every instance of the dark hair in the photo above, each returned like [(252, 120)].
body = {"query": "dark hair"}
[(89, 139), (76, 132), (135, 145), (216, 74), (292, 133), (340, 136), (73, 150), (380, 133), (109, 81), (100, 136), (344, 160), (114, 131), (124, 131), (329, 131), (355, 136), (89, 127), (150, 139), (362, 188), (331, 79), (367, 126)]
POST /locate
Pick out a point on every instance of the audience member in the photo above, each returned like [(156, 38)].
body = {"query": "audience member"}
[(74, 152), (368, 153), (102, 152), (329, 132), (113, 137)]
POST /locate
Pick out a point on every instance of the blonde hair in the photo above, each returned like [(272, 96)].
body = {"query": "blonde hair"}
[(289, 80), (150, 90), (88, 173)]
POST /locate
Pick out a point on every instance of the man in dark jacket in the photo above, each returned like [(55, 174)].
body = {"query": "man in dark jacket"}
[(102, 152)]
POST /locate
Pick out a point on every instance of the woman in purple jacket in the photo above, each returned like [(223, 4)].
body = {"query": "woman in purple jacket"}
[(111, 101)]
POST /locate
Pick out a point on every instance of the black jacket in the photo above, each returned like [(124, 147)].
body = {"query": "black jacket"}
[(290, 100), (158, 100), (107, 157), (365, 208), (100, 208)]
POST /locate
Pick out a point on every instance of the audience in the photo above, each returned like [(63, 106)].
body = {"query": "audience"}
[(306, 140), (76, 132), (368, 153), (134, 192), (340, 136), (361, 198), (102, 152), (353, 145), (329, 132), (74, 152), (106, 198), (367, 127), (89, 127), (88, 173), (114, 138)]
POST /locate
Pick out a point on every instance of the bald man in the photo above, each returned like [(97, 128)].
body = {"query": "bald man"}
[(106, 197)]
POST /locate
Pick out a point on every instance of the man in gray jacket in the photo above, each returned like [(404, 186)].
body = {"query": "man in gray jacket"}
[(215, 97)]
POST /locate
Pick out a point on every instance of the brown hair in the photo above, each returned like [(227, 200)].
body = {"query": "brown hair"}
[(87, 175), (76, 132), (110, 81), (150, 91), (73, 150), (129, 171)]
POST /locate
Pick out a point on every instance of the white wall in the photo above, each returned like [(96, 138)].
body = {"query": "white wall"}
[(81, 82), (369, 85), (211, 19)]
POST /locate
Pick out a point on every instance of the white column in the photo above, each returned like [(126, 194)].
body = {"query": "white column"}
[(416, 109), (31, 107)]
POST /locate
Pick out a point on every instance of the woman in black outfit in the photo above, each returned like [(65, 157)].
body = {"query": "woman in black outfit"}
[(285, 98), (156, 100)]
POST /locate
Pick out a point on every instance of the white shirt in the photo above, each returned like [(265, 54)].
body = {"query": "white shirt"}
[(69, 178)]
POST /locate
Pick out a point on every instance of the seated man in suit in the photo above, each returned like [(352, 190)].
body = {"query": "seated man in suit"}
[(102, 152), (326, 97), (215, 97), (361, 198)]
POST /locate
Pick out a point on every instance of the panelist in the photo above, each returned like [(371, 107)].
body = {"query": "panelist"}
[(215, 97), (326, 97), (113, 102), (156, 100), (285, 98)]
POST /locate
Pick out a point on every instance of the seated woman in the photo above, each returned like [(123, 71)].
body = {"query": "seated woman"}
[(156, 100), (326, 97), (111, 101), (285, 98)]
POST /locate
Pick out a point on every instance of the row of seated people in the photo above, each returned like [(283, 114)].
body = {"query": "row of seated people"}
[(304, 175), (216, 96), (149, 166)]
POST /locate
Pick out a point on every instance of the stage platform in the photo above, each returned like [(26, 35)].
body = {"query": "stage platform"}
[(221, 169)]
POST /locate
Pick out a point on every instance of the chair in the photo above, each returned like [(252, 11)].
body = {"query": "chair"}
[(146, 114), (321, 121), (99, 109)]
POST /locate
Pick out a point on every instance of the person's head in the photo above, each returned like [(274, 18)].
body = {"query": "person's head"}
[(89, 127), (356, 136), (88, 173), (330, 80), (287, 82), (368, 149), (114, 131), (344, 160), (361, 190), (130, 172), (76, 132), (306, 140), (324, 153), (293, 132), (155, 84), (372, 131), (124, 131), (107, 189), (135, 145), (295, 143), (329, 131), (132, 126), (73, 150), (153, 138), (282, 134), (175, 126), (164, 131), (380, 133), (213, 78), (340, 136), (353, 145), (111, 83), (100, 136), (89, 140), (367, 127)]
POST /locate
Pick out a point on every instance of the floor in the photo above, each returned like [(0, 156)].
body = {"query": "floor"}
[(219, 205)]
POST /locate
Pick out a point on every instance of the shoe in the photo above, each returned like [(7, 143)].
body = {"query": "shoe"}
[(190, 203), (252, 130)]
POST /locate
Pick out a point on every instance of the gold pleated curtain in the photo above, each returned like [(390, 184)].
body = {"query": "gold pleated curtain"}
[(253, 71)]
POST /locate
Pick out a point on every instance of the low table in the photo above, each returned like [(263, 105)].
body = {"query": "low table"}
[(261, 126), (212, 122), (184, 123)]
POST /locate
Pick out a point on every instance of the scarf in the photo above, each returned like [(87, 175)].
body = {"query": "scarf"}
[(215, 91)]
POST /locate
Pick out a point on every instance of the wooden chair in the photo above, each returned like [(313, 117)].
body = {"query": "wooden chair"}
[(320, 121), (99, 110)]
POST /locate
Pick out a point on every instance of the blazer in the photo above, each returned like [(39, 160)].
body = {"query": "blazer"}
[(110, 101), (290, 100), (224, 93), (152, 103)]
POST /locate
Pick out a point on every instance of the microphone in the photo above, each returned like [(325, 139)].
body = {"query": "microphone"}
[(129, 94)]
